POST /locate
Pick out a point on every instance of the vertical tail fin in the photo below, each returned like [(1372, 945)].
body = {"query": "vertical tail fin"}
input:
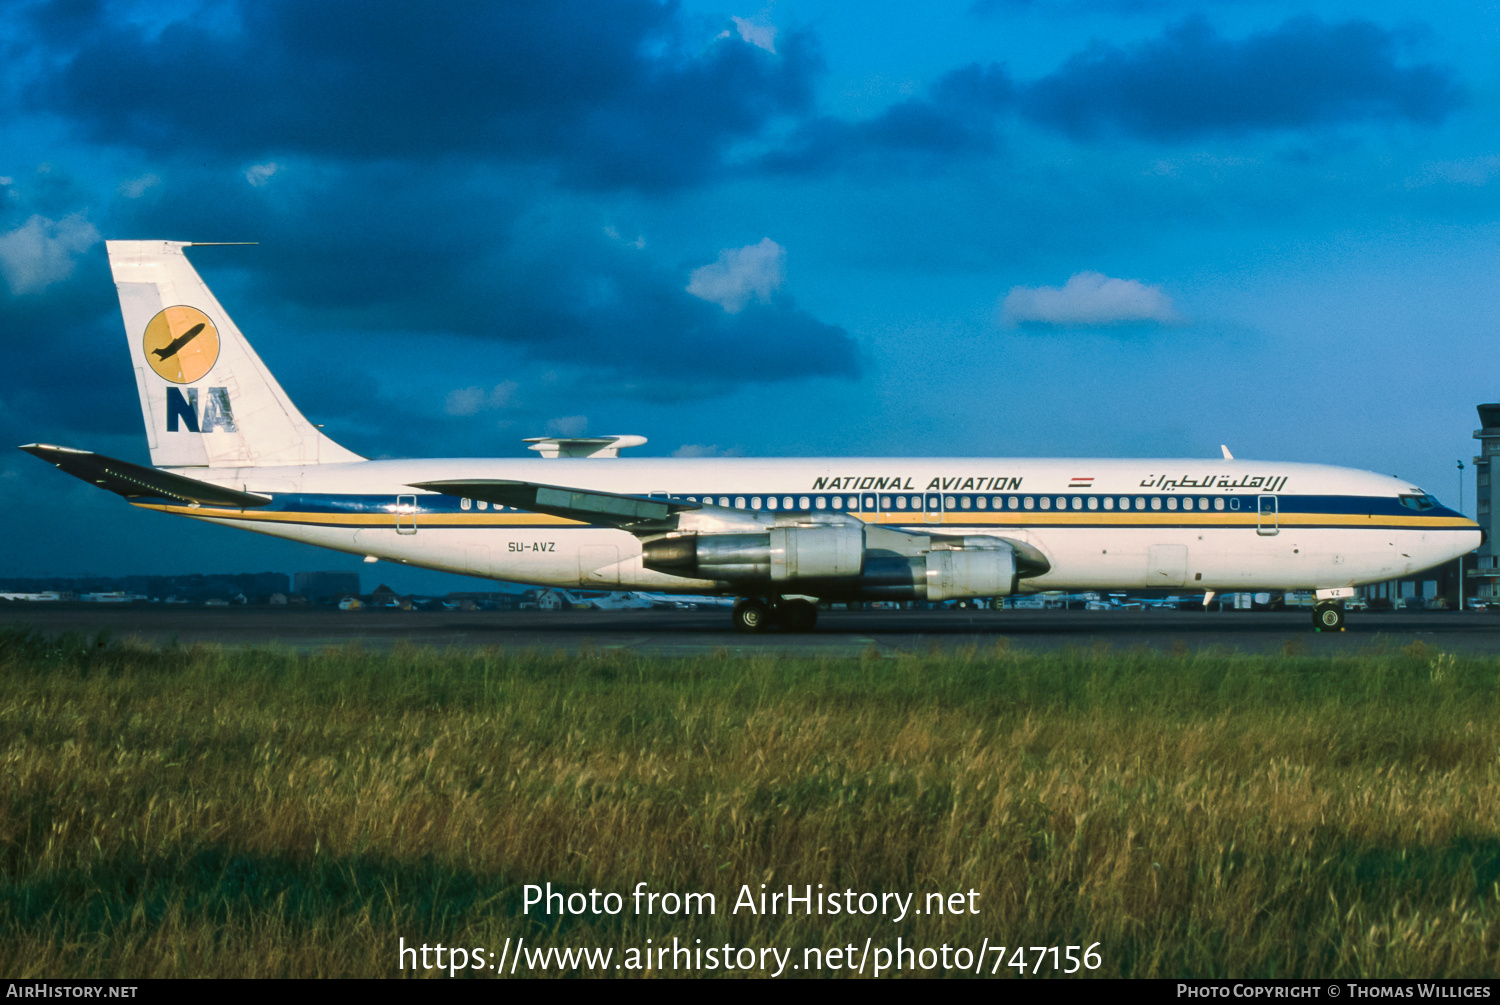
[(207, 398)]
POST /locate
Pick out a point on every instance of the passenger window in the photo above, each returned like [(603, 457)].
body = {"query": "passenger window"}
[(916, 503), (965, 502), (1218, 504), (1030, 502), (869, 504), (770, 502), (1046, 502), (739, 502), (464, 504), (885, 503), (1013, 501), (822, 503), (1172, 503), (1203, 503), (1186, 503), (1140, 503), (483, 504), (1234, 504), (1093, 503), (786, 502), (950, 502), (724, 501), (901, 502), (1077, 503), (755, 502), (1156, 502), (980, 502)]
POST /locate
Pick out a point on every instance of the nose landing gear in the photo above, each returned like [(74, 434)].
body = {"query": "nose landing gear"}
[(1328, 618)]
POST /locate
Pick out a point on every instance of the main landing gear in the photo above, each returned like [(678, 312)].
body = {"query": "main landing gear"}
[(754, 614), (1328, 618)]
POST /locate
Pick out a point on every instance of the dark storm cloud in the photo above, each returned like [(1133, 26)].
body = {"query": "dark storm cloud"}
[(66, 358), (445, 254), (957, 119), (609, 306), (1192, 82), (625, 94), (1187, 83)]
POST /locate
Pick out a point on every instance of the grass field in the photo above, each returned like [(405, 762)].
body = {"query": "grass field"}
[(198, 811)]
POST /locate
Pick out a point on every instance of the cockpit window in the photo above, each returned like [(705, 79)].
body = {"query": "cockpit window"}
[(1419, 503)]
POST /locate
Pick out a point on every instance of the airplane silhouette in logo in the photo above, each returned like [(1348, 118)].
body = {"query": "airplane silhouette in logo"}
[(178, 342)]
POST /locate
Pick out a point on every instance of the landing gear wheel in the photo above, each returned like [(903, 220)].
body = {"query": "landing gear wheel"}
[(751, 616), (1328, 618), (799, 615)]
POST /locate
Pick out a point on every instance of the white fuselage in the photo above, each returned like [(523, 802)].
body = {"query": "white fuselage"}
[(1209, 525)]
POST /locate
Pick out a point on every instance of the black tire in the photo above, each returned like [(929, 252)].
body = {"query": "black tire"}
[(799, 615), (751, 616), (1328, 618)]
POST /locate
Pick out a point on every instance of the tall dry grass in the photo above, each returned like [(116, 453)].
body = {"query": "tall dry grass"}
[(204, 811)]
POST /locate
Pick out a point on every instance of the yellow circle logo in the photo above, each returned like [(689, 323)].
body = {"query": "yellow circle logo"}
[(181, 344)]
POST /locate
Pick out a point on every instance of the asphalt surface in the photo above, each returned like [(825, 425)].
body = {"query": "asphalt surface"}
[(685, 633)]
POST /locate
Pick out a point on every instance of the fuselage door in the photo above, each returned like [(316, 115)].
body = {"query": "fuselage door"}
[(934, 508), (1266, 522), (406, 514)]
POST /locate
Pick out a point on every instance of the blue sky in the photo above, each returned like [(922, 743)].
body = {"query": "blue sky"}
[(1082, 228)]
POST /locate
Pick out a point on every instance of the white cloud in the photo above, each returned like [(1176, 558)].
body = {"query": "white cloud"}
[(740, 273), (1089, 299), (568, 425), (707, 450), (259, 174), (40, 252), (473, 400), (136, 187), (756, 32), (613, 234)]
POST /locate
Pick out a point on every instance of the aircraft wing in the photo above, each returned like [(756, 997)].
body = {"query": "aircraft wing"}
[(134, 481), (586, 505)]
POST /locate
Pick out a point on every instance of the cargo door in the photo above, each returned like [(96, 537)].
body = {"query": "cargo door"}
[(1166, 565)]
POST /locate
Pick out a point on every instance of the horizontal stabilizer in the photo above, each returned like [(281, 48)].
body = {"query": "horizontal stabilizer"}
[(575, 504), (136, 482), (582, 446)]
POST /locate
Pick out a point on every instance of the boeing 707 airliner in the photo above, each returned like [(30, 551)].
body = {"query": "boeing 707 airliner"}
[(229, 447)]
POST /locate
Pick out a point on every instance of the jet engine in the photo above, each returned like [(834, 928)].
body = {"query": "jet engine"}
[(848, 560)]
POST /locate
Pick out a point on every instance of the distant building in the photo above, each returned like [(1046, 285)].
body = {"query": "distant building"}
[(324, 587), (1486, 578), (384, 596)]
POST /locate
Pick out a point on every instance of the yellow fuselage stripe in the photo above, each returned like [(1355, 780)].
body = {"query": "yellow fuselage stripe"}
[(910, 519)]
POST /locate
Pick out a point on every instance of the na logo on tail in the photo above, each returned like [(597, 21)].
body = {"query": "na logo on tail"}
[(181, 344)]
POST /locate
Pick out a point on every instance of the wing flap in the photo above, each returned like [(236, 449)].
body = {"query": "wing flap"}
[(586, 505), (133, 481)]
